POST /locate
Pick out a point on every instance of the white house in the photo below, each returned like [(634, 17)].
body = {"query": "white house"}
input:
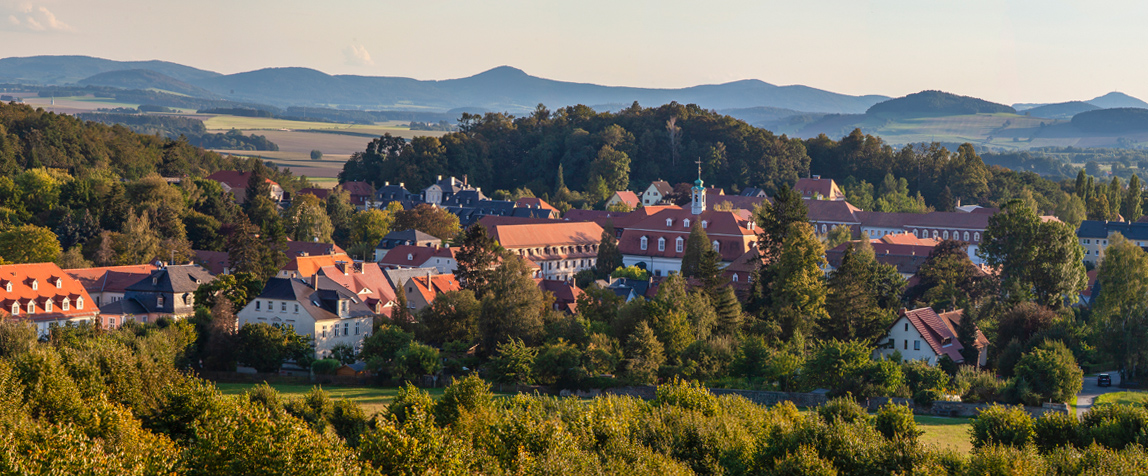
[(656, 192), (922, 334), (320, 308)]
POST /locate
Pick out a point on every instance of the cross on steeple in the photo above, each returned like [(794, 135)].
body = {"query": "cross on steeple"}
[(699, 162)]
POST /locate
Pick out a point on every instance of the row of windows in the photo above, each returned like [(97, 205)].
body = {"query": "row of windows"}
[(31, 307), (686, 223), (564, 250), (1088, 241), (271, 306), (582, 263), (937, 234), (346, 328), (679, 244)]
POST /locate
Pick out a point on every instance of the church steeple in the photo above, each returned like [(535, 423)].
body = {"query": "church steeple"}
[(699, 192)]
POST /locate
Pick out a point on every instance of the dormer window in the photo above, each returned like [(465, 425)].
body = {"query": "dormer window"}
[(59, 283), (48, 306), (717, 246), (80, 303), (669, 222), (35, 285), (661, 244), (678, 244), (735, 277), (31, 307), (705, 224), (67, 302), (159, 301), (645, 244), (15, 308), (410, 256), (686, 223)]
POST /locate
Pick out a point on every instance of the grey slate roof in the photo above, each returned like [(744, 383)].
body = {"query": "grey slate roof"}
[(406, 237), (1101, 229), (173, 279), (320, 303), (398, 277)]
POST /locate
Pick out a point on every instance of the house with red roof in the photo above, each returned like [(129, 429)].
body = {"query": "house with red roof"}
[(366, 280), (656, 192), (318, 192), (44, 295), (817, 188), (561, 249), (657, 242), (740, 271), (922, 334), (421, 291), (362, 193), (235, 182), (411, 256), (107, 284), (565, 294), (630, 199), (305, 266)]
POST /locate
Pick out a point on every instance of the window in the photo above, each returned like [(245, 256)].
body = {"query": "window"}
[(346, 328), (59, 283), (934, 234), (824, 229), (918, 235), (48, 306), (661, 244), (159, 301), (706, 224), (976, 236), (66, 303), (735, 277), (946, 234), (324, 331), (906, 327), (645, 243), (35, 285), (283, 306), (906, 344), (669, 222), (916, 345), (966, 236), (31, 307), (356, 328), (111, 322), (258, 305), (79, 303), (678, 244), (686, 223), (296, 308), (717, 246)]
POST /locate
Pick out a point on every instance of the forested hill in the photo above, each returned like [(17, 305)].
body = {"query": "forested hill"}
[(1119, 120), (71, 69), (146, 79), (937, 103), (575, 156)]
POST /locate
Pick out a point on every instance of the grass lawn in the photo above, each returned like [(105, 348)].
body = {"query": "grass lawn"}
[(372, 399), (1122, 397), (944, 432)]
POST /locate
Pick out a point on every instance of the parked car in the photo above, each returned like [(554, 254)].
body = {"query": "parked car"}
[(1103, 380)]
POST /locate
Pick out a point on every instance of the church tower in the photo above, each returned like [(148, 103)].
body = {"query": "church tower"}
[(699, 193)]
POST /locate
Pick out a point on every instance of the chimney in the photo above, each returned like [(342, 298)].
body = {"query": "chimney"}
[(315, 281), (816, 177), (440, 178), (465, 181), (386, 184)]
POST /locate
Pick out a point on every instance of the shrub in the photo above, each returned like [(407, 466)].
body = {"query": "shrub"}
[(325, 366), (349, 421), (922, 376), (1116, 426), (1056, 430), (267, 396), (998, 460), (896, 422), (804, 462), (409, 398), (469, 394), (1000, 425), (843, 409), (1052, 372), (926, 396), (687, 395), (977, 385), (316, 154)]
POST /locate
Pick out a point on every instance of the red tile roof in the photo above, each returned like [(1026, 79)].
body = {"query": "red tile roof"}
[(935, 332), (412, 256), (560, 233), (110, 278), (437, 284), (729, 229), (320, 193), (213, 261), (813, 187), (532, 202), (663, 187), (51, 284), (365, 279), (297, 248), (952, 320), (307, 266), (565, 293), (234, 178), (628, 197)]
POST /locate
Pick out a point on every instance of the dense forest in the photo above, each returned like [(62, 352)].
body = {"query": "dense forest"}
[(937, 103)]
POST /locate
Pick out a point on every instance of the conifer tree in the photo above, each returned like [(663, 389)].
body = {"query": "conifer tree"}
[(476, 257), (609, 257), (798, 293), (696, 245), (728, 309), (1130, 207), (967, 336), (851, 301)]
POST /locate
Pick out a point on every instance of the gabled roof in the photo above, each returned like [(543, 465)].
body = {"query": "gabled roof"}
[(834, 211), (565, 293), (45, 277), (952, 320), (662, 187), (358, 188), (319, 303), (639, 287), (532, 202), (754, 192), (907, 259), (431, 286), (234, 178), (906, 238), (547, 234), (628, 197), (935, 331), (816, 186), (364, 279), (407, 237), (215, 262), (392, 192), (398, 277), (411, 256), (728, 228), (1101, 229), (307, 266), (320, 193), (298, 248), (110, 278), (173, 279)]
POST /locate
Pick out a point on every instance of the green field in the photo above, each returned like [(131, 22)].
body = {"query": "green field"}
[(1133, 398), (944, 432), (372, 399)]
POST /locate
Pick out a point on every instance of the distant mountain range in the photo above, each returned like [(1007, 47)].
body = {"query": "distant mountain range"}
[(499, 89)]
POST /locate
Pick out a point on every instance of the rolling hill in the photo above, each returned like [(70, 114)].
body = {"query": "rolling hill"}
[(1063, 110), (1117, 100), (71, 69), (146, 79), (936, 103)]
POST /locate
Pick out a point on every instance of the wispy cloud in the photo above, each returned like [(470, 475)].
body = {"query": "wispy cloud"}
[(37, 18), (357, 55)]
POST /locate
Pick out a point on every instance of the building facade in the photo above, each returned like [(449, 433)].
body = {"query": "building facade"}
[(319, 308)]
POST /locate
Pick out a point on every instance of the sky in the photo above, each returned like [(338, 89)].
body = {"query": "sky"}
[(1002, 51)]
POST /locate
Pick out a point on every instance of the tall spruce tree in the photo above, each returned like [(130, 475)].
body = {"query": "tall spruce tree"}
[(798, 293), (1115, 196), (967, 336), (1130, 207), (609, 256), (853, 312), (476, 258), (773, 221), (696, 246)]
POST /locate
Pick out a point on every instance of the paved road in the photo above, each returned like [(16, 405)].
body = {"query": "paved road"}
[(1090, 391)]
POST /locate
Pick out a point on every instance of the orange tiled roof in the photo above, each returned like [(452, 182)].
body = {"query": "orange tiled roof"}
[(39, 283), (364, 279), (628, 197), (431, 286), (547, 234), (532, 202), (307, 266)]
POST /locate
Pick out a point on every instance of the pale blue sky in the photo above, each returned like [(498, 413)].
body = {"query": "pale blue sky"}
[(1004, 51)]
